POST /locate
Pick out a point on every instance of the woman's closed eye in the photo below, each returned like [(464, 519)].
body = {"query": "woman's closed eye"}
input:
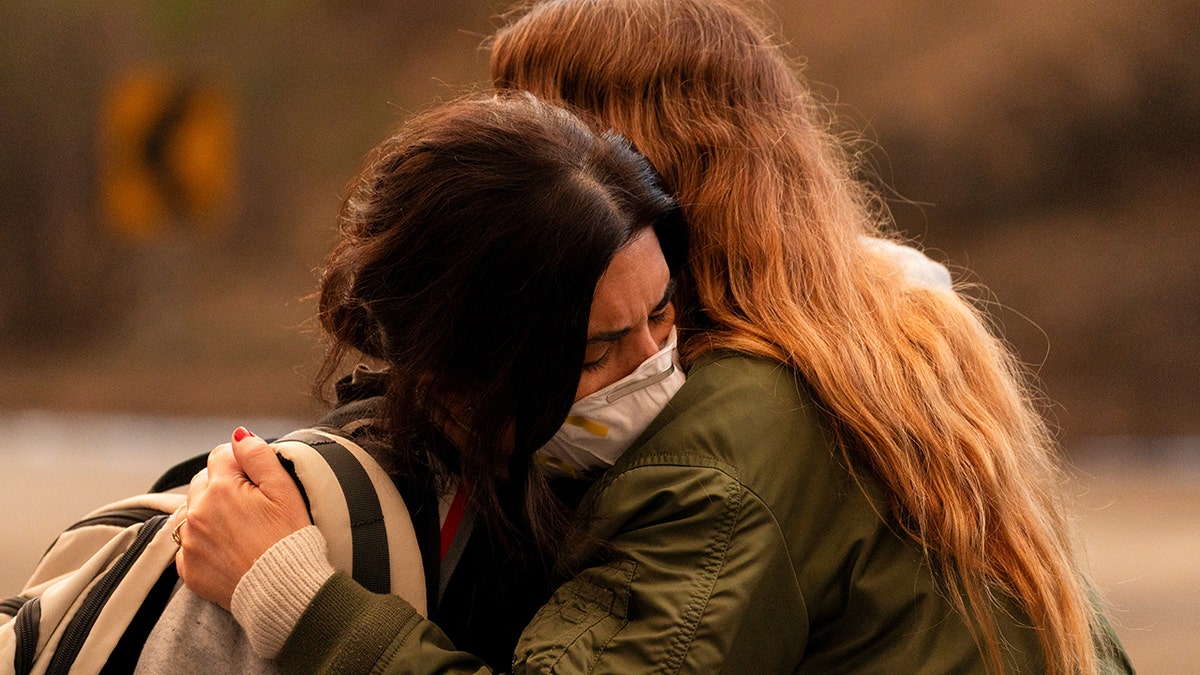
[(597, 363), (665, 315), (662, 314)]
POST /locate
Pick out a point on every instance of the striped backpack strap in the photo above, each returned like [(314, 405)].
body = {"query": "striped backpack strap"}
[(361, 513)]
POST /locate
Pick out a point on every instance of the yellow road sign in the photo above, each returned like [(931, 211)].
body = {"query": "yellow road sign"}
[(167, 151)]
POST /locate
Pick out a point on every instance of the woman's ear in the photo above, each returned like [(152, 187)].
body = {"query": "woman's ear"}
[(452, 411)]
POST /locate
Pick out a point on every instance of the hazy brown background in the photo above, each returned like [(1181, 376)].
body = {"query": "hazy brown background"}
[(1046, 149), (1051, 146)]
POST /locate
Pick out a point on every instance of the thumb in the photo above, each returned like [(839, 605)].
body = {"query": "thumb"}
[(260, 464)]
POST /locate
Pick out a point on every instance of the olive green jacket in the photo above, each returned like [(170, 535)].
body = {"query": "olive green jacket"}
[(740, 543)]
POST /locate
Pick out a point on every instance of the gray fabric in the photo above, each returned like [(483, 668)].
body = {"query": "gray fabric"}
[(195, 635)]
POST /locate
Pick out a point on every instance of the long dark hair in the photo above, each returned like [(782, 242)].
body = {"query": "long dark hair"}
[(470, 248)]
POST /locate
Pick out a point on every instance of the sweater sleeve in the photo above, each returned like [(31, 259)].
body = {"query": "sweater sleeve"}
[(271, 596)]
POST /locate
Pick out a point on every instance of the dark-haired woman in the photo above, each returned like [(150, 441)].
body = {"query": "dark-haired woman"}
[(499, 262)]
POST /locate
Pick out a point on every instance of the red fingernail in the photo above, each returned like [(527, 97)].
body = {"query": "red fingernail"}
[(240, 433)]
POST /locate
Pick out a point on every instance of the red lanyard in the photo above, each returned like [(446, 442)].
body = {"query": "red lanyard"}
[(453, 520)]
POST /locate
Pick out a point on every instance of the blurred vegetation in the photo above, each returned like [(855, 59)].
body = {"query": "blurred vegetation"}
[(1046, 149)]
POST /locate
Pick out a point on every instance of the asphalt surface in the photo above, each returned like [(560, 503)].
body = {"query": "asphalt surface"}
[(1137, 504)]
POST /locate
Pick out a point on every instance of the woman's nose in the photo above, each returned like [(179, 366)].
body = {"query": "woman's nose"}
[(646, 344)]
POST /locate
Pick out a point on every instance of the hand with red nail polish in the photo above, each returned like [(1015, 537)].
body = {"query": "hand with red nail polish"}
[(247, 504)]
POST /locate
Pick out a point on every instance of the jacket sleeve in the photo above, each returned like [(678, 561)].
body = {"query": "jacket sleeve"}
[(348, 629), (699, 581), (696, 577)]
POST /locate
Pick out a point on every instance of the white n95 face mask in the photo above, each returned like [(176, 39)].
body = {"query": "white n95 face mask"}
[(601, 426)]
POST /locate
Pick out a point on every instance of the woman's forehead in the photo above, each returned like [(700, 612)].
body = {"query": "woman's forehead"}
[(631, 286)]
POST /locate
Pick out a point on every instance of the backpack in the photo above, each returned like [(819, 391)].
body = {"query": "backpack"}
[(98, 591)]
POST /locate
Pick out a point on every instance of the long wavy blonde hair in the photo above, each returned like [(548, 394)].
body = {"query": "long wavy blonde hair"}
[(919, 392)]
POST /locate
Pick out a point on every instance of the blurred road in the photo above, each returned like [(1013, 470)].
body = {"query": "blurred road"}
[(1138, 506)]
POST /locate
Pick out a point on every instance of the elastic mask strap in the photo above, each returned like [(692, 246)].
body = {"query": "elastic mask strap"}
[(622, 392)]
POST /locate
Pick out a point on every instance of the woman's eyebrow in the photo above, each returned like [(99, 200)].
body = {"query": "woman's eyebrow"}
[(666, 299), (609, 336), (614, 335)]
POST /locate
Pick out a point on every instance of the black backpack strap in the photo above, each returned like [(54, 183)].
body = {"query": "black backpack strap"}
[(124, 657), (181, 474), (368, 536)]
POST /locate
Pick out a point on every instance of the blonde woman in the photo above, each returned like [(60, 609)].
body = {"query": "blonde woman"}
[(925, 411), (853, 477)]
